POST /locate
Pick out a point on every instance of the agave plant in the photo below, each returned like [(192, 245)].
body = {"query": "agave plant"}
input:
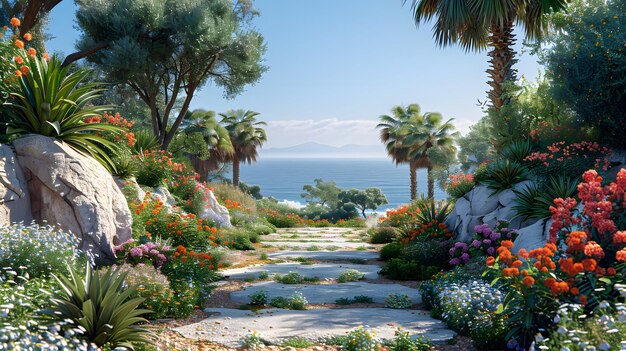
[(144, 141), (534, 201), (100, 304), (503, 175), (430, 210), (53, 102), (517, 151)]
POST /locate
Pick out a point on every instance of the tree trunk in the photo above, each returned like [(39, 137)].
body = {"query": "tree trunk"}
[(363, 212), (413, 170), (235, 170), (200, 166), (431, 183), (501, 41)]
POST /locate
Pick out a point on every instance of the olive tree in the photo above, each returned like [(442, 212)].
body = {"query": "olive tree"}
[(368, 199), (166, 50)]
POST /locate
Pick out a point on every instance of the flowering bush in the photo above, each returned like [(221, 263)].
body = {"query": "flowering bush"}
[(152, 219), (124, 131), (459, 184), (403, 218), (350, 275), (431, 230), (37, 336), (156, 167), (577, 331), (282, 220), (154, 288), (581, 263), (351, 223), (485, 243), (361, 339), (398, 301), (134, 252), (567, 159), (38, 251), (470, 309)]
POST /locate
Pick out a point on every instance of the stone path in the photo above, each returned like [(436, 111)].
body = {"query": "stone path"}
[(323, 319)]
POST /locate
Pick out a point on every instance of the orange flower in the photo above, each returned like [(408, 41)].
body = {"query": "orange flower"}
[(46, 56), (574, 291), (28, 37), (611, 271), (15, 22), (24, 70), (522, 253), (507, 243), (592, 249), (590, 264), (18, 59), (491, 261), (582, 299), (528, 281), (18, 73), (621, 255), (32, 52), (516, 263), (19, 44)]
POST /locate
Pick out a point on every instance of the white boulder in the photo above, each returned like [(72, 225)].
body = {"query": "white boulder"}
[(14, 196), (74, 191)]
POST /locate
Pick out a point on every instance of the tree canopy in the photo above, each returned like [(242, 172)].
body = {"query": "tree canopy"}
[(325, 193), (368, 199), (166, 50), (586, 62)]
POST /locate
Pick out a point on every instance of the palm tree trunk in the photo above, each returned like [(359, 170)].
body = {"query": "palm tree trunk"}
[(235, 170), (501, 41), (431, 184), (413, 170)]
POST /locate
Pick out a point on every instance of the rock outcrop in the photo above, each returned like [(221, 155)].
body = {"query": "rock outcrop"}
[(75, 192), (14, 195), (483, 205), (216, 212)]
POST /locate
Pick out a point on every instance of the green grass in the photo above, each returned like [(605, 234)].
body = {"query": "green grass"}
[(361, 248), (263, 256), (313, 248), (298, 343)]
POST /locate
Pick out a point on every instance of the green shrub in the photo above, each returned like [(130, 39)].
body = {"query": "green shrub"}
[(125, 166), (351, 275), (258, 298), (392, 250), (517, 151), (153, 287), (272, 204), (260, 228), (429, 252), (295, 278), (101, 305), (56, 101), (457, 185), (240, 238), (356, 299), (398, 301), (144, 141), (403, 342), (22, 298), (400, 269), (297, 301), (252, 341), (503, 175), (383, 235)]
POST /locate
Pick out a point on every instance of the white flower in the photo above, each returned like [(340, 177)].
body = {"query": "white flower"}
[(561, 330)]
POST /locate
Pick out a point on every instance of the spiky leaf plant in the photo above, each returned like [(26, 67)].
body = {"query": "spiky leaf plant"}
[(54, 101), (100, 304)]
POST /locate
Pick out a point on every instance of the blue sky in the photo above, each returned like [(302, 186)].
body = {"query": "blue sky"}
[(336, 65)]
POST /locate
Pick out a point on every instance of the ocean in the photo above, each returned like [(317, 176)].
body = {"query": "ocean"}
[(283, 178)]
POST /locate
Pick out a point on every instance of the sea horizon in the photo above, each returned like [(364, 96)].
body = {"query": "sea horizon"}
[(284, 177)]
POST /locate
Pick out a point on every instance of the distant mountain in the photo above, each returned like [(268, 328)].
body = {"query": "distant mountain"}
[(313, 149)]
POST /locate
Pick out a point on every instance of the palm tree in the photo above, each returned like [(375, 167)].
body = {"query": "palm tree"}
[(215, 136), (426, 135), (391, 135), (478, 24), (245, 136)]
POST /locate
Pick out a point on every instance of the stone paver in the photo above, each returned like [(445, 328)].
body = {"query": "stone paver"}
[(228, 326), (326, 293), (322, 270), (320, 244), (340, 255)]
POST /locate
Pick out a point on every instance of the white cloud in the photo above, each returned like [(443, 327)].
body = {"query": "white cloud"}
[(335, 132)]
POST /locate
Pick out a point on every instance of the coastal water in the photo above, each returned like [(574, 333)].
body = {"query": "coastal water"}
[(283, 178)]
